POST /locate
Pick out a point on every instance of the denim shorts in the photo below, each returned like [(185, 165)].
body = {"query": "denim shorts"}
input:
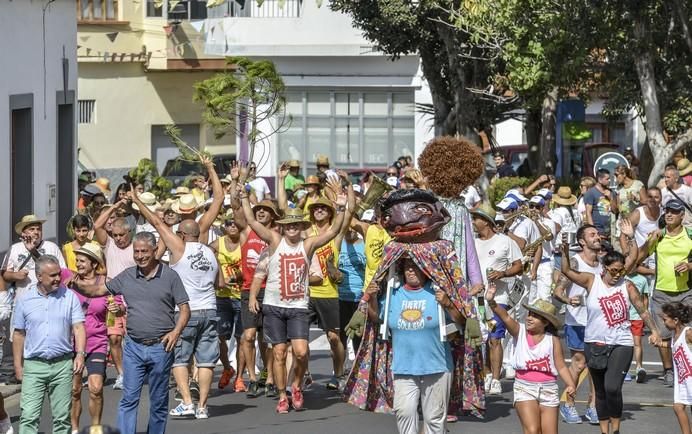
[(199, 338), (282, 324), (228, 311), (574, 336), (500, 329)]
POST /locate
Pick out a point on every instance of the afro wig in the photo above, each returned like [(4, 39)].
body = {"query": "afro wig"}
[(451, 164)]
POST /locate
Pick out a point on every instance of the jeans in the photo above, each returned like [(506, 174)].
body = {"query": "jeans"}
[(200, 338), (138, 362), (41, 377), (432, 391)]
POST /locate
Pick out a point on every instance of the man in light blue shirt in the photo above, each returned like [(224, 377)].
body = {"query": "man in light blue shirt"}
[(45, 319)]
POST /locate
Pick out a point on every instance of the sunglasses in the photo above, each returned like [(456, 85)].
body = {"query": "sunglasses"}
[(673, 211), (616, 272)]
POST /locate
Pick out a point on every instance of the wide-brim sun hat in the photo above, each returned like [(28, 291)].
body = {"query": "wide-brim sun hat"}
[(546, 310), (564, 196), (311, 180), (684, 166), (25, 221), (486, 212), (268, 205), (294, 215), (179, 191), (186, 204), (322, 201), (92, 251), (149, 200)]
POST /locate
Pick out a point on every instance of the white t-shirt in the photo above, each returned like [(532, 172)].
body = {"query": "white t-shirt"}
[(549, 246), (498, 253), (568, 224), (684, 192), (524, 227), (18, 254), (260, 187), (471, 196), (197, 269)]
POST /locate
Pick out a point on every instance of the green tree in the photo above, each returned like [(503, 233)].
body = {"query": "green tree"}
[(251, 88)]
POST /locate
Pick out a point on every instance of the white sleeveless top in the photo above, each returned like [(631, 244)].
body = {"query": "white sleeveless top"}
[(539, 358), (576, 315), (608, 314), (197, 269), (644, 228), (287, 277), (682, 365)]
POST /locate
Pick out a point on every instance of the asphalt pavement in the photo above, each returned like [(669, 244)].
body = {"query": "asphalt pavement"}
[(647, 409)]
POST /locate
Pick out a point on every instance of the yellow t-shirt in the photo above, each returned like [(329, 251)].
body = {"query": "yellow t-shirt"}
[(327, 289), (229, 263), (670, 251), (375, 239)]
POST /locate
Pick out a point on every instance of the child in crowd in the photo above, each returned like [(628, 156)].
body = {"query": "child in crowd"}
[(637, 327), (676, 316), (537, 360)]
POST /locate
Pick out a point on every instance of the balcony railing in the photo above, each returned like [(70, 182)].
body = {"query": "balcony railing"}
[(95, 11), (197, 9)]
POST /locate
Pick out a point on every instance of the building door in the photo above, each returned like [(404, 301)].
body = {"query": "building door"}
[(66, 161), (22, 179), (163, 150)]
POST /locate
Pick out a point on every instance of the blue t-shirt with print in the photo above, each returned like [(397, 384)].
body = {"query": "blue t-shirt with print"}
[(601, 209), (352, 266), (415, 328)]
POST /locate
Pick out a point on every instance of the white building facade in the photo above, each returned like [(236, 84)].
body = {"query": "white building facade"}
[(37, 117)]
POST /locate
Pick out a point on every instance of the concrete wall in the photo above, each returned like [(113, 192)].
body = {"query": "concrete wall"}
[(129, 101), (22, 65)]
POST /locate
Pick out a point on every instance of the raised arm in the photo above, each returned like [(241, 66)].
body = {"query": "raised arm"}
[(350, 207), (510, 323), (174, 243), (630, 247), (281, 196), (100, 224), (266, 234), (217, 191), (584, 280)]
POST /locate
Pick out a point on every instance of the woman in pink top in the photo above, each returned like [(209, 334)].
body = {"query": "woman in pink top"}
[(90, 267), (537, 360)]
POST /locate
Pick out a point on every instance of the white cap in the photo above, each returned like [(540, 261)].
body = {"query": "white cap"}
[(545, 193), (357, 188), (368, 215), (507, 204), (514, 194), (393, 181), (537, 200)]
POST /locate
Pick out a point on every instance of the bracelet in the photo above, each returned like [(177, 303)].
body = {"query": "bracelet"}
[(366, 297), (340, 208), (492, 304)]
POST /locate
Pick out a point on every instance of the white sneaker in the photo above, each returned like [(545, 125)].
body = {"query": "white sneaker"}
[(183, 410), (202, 413), (495, 388), (488, 380), (6, 426), (118, 385), (509, 372)]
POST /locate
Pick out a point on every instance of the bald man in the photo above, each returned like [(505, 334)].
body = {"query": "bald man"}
[(197, 267)]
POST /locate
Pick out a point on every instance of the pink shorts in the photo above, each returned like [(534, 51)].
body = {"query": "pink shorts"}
[(119, 328)]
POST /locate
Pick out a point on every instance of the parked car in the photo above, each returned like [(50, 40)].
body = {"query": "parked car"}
[(178, 170)]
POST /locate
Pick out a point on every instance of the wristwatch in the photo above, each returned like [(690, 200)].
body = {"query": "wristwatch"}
[(81, 353)]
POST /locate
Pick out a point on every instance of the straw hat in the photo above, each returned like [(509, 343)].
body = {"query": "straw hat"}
[(312, 180), (104, 184), (166, 205), (684, 167), (149, 200), (179, 191), (322, 201), (27, 220), (268, 205), (322, 160), (486, 212), (294, 163), (545, 309), (294, 215), (564, 196), (93, 251), (226, 179), (186, 204)]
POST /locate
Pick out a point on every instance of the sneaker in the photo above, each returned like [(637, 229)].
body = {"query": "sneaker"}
[(342, 382), (253, 390), (509, 373), (183, 410), (297, 400), (282, 406), (488, 380), (333, 384), (591, 415), (262, 379), (641, 375), (226, 377), (569, 414), (495, 388), (202, 413), (668, 379), (6, 426), (239, 385), (628, 377), (270, 390), (452, 418), (178, 396), (307, 381), (118, 385), (194, 390)]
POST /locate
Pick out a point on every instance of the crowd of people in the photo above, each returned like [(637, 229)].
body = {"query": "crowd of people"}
[(165, 286)]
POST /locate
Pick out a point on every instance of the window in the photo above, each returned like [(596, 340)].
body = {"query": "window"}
[(97, 10), (87, 111), (153, 10), (353, 129)]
